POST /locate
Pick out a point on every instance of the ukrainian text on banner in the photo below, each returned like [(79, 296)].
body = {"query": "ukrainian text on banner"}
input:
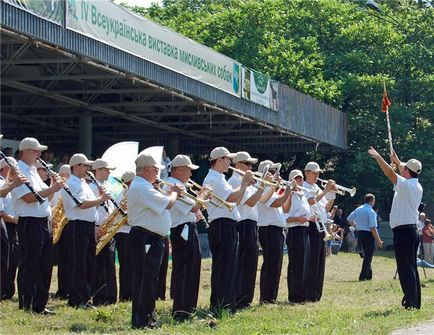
[(259, 88), (114, 25), (53, 10)]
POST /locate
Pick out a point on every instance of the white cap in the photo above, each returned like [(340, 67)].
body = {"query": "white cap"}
[(65, 168), (31, 143), (38, 165), (10, 159), (79, 159), (270, 165), (295, 173), (183, 160), (101, 163), (414, 165), (220, 152), (128, 176), (243, 156), (147, 160), (312, 166)]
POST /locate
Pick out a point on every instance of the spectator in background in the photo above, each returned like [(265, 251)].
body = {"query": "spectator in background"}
[(428, 241), (342, 223), (7, 151), (420, 225)]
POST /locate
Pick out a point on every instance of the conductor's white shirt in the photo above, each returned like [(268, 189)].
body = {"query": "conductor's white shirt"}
[(223, 189), (82, 192), (34, 209), (246, 211), (406, 201), (147, 207)]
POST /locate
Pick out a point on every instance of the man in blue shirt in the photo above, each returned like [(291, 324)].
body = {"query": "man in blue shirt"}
[(364, 219)]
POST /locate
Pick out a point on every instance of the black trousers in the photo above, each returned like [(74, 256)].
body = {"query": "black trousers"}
[(35, 262), (298, 244), (162, 275), (105, 291), (147, 253), (315, 273), (8, 287), (64, 248), (125, 266), (367, 243), (247, 263), (83, 248), (4, 265), (271, 239), (222, 237), (186, 261), (406, 242)]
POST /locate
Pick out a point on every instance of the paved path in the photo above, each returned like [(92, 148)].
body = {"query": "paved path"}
[(420, 329)]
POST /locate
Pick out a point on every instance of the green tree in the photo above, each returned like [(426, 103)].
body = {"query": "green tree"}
[(336, 52)]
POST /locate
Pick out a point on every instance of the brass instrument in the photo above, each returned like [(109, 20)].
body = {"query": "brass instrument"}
[(58, 220), (259, 179), (186, 197), (321, 227), (340, 189), (215, 200), (113, 223)]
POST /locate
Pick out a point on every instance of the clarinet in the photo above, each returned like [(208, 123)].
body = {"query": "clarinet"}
[(15, 168), (97, 183), (54, 175)]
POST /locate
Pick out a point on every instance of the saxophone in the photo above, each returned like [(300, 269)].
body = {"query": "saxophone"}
[(111, 226), (58, 220)]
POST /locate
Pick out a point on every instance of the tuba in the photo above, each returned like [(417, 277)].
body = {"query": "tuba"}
[(58, 220), (113, 223)]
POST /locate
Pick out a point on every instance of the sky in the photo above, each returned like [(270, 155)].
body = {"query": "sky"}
[(141, 3)]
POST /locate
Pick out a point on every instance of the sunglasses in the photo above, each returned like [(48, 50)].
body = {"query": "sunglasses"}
[(247, 163)]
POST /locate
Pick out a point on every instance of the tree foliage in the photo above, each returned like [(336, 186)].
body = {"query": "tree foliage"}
[(337, 52)]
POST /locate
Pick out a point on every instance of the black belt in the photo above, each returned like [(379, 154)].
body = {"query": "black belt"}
[(404, 226), (144, 230)]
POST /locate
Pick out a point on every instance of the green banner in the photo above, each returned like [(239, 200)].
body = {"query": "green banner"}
[(51, 10)]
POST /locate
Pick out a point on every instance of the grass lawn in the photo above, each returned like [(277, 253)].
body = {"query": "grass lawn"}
[(347, 307)]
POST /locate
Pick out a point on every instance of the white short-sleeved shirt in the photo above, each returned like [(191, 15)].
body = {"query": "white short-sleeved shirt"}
[(180, 212), (299, 208), (246, 212), (82, 192), (270, 216), (126, 227), (147, 207), (222, 189), (8, 204), (34, 209), (55, 199), (406, 201), (320, 207), (102, 212)]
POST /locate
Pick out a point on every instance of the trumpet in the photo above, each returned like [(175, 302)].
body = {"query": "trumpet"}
[(186, 197), (215, 200), (340, 189), (259, 179), (321, 227)]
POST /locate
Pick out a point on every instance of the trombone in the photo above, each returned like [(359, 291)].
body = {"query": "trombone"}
[(215, 200), (340, 189), (186, 197), (259, 179)]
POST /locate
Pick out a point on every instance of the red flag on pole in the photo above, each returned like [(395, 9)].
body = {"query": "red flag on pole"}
[(386, 102)]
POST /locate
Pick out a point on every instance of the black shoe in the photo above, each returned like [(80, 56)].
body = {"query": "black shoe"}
[(45, 311)]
